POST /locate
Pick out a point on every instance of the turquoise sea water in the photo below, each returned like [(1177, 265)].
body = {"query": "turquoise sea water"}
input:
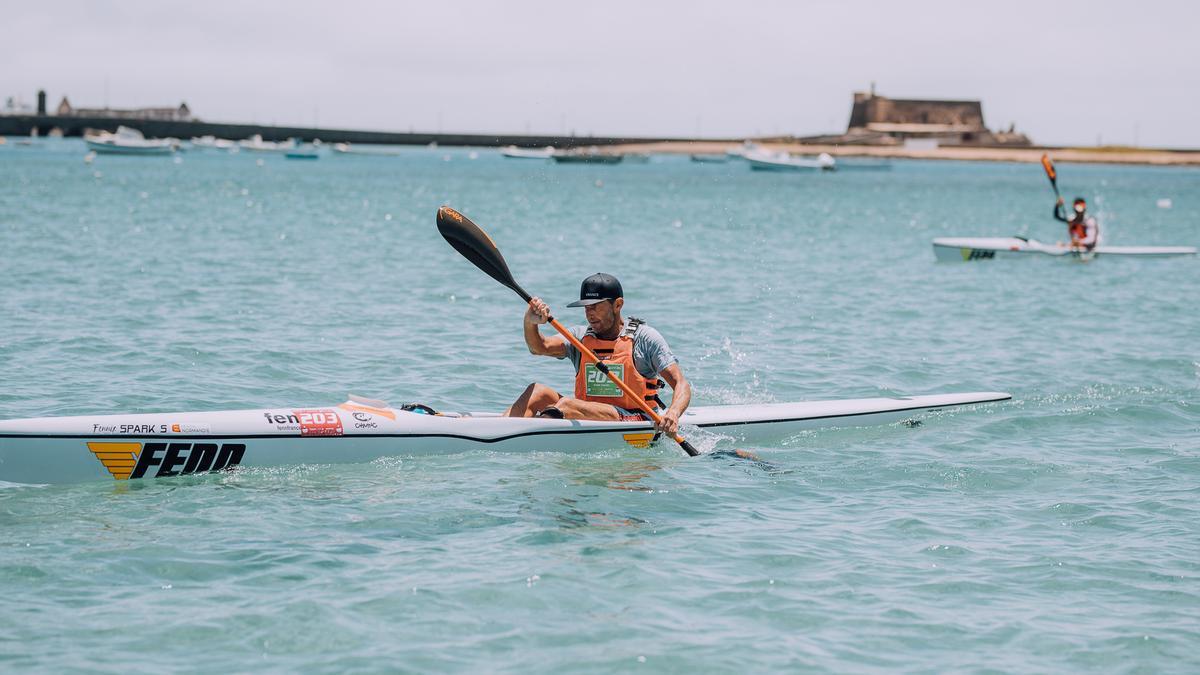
[(1057, 532)]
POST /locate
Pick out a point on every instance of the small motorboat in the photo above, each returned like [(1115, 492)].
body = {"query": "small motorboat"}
[(213, 143), (783, 161), (128, 141), (348, 149), (513, 152), (303, 152), (256, 144)]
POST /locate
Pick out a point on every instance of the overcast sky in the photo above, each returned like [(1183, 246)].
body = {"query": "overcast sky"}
[(1069, 72)]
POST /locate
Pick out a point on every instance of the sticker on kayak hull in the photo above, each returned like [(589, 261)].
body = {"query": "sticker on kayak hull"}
[(643, 440), (321, 422), (139, 460)]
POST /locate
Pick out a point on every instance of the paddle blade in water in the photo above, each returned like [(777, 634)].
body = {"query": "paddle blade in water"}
[(1049, 167), (475, 245)]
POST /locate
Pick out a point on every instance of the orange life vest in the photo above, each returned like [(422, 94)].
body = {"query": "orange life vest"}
[(591, 384), (1077, 229)]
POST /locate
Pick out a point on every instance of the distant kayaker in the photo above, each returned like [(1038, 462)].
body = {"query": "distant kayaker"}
[(634, 351), (1081, 227)]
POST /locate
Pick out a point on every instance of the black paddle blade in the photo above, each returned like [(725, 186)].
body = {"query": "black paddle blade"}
[(475, 245)]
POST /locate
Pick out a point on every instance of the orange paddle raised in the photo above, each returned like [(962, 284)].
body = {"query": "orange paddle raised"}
[(1051, 174)]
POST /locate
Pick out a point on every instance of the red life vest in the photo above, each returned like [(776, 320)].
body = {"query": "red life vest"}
[(1077, 229), (593, 385)]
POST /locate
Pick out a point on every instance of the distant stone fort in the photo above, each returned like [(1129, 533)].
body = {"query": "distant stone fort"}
[(879, 120), (945, 122)]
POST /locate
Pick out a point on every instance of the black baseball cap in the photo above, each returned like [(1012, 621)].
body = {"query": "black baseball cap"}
[(598, 288)]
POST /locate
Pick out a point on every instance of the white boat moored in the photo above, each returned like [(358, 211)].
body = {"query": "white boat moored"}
[(303, 152), (128, 141), (213, 143), (782, 161), (349, 149), (120, 447), (513, 152), (256, 144), (957, 249)]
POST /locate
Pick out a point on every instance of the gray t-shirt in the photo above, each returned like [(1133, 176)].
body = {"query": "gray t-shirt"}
[(651, 354)]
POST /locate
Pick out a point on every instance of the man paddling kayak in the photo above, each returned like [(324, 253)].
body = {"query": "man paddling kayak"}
[(1082, 228), (637, 353)]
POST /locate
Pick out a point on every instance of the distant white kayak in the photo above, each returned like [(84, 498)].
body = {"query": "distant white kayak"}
[(957, 249), (121, 447)]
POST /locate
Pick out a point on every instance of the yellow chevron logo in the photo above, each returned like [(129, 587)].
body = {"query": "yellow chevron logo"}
[(118, 458), (639, 440)]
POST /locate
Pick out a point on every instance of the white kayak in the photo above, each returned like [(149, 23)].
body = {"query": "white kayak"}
[(956, 249), (74, 449)]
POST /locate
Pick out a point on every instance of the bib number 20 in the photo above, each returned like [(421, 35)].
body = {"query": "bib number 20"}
[(598, 383)]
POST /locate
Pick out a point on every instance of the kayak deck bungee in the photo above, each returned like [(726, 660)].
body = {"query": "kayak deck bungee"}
[(89, 447), (957, 249)]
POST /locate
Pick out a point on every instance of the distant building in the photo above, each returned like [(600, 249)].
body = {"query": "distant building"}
[(881, 120), (180, 114), (13, 105)]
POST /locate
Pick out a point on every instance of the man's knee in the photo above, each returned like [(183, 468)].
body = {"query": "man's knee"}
[(574, 408), (540, 393), (567, 405)]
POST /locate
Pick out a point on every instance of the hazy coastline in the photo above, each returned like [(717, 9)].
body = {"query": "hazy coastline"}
[(1079, 155)]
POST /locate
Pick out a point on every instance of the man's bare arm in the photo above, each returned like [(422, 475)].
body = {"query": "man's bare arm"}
[(681, 397), (537, 314)]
